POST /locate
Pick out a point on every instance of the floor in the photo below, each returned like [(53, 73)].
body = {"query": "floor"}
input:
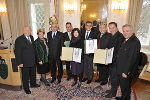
[(142, 89)]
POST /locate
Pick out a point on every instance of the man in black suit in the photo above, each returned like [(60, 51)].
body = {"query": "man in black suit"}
[(95, 27), (67, 37), (25, 58), (127, 61), (115, 41), (103, 43), (55, 42), (88, 58)]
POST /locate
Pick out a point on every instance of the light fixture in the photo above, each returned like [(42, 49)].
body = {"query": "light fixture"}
[(119, 6), (70, 7), (92, 15), (83, 7), (3, 9)]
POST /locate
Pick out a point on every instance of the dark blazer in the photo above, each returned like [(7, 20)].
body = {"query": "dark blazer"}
[(127, 58), (55, 45), (92, 35), (95, 29), (116, 41), (104, 40), (66, 37), (24, 51), (40, 49)]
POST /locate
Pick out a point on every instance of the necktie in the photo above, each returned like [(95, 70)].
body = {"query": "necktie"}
[(54, 34), (87, 35), (29, 39)]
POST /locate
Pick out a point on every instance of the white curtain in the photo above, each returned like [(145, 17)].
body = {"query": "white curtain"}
[(134, 11)]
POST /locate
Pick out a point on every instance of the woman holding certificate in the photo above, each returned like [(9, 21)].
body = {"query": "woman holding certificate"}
[(76, 67)]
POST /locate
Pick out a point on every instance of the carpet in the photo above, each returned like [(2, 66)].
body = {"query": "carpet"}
[(63, 91)]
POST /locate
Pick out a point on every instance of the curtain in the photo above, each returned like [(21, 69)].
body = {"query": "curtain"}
[(18, 15), (134, 11)]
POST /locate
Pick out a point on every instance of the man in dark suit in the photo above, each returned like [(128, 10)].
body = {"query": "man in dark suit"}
[(103, 43), (55, 42), (25, 57), (116, 41), (127, 61), (95, 27), (88, 58), (67, 37)]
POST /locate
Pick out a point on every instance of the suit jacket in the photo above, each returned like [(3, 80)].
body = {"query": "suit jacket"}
[(24, 51), (116, 41), (127, 58), (95, 29), (66, 37), (103, 42), (55, 44)]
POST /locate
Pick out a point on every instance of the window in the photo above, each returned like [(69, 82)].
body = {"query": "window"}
[(37, 17), (144, 24)]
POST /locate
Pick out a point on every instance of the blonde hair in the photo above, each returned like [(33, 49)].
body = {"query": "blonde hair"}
[(40, 30)]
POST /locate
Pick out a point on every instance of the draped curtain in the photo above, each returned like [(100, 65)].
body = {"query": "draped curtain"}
[(134, 11), (18, 14)]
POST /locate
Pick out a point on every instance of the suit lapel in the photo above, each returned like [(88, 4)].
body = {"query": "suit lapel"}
[(27, 41)]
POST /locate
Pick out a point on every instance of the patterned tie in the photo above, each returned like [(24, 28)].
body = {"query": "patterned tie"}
[(87, 35)]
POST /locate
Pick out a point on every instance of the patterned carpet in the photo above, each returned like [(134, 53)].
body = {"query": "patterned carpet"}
[(63, 91)]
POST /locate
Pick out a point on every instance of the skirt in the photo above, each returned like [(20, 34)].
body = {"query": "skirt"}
[(43, 68), (76, 68)]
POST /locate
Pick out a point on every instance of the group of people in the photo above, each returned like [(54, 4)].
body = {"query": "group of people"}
[(46, 55)]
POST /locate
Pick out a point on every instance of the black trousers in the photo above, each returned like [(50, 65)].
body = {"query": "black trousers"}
[(114, 78), (54, 63), (125, 85), (88, 67), (68, 70), (28, 73), (103, 72)]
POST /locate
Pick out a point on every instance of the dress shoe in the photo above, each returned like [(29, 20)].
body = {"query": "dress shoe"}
[(89, 81), (35, 86), (53, 80), (108, 91), (84, 79), (118, 98), (27, 91), (79, 85), (103, 83), (98, 80), (68, 78), (74, 83), (59, 81), (110, 95)]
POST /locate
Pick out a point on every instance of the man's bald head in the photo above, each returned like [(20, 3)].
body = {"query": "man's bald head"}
[(128, 30), (27, 30)]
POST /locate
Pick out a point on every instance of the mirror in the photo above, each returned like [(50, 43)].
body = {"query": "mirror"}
[(94, 10)]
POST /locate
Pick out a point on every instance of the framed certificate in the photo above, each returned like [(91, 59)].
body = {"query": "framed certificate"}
[(77, 52), (90, 46), (66, 54), (71, 54), (102, 56)]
